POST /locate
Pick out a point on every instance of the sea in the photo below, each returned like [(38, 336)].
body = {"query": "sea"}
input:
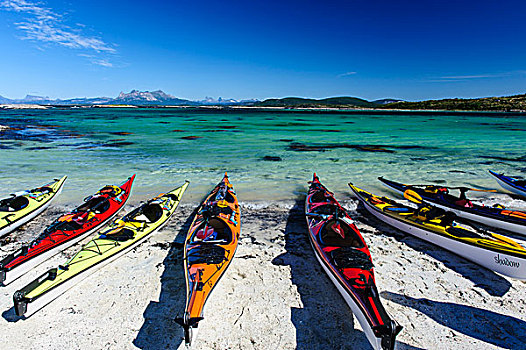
[(270, 155)]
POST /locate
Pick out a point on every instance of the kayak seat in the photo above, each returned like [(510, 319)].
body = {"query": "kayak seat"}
[(222, 232), (14, 204), (329, 237), (229, 198), (206, 254), (153, 212), (319, 197), (348, 257), (328, 209), (97, 205), (121, 235)]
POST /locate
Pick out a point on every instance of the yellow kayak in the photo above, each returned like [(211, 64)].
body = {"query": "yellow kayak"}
[(23, 206), (495, 252), (117, 239)]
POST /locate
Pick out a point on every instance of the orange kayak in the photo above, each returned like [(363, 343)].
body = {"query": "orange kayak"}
[(209, 248)]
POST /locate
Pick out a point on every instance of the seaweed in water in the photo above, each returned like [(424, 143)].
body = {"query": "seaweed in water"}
[(272, 158)]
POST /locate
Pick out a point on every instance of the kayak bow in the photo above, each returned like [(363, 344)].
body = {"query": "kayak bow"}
[(345, 257), (24, 206), (67, 230), (210, 245), (494, 252), (511, 184), (117, 239)]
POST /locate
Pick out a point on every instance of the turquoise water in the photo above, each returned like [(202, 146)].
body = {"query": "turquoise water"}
[(98, 146)]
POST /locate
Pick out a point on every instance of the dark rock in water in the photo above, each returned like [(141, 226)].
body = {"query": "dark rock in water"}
[(330, 130), (508, 159), (163, 122), (300, 147), (272, 158), (117, 144), (291, 124), (334, 160), (191, 137), (227, 126), (373, 148), (457, 171), (286, 140), (38, 148), (177, 130), (349, 122), (122, 133), (439, 181)]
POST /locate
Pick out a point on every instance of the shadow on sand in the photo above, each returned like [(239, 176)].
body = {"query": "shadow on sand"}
[(488, 280), (503, 331), (325, 320), (159, 330)]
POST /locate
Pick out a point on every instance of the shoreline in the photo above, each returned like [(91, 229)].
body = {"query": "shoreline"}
[(274, 295), (256, 109)]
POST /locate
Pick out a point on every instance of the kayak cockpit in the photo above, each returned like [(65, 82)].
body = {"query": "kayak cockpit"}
[(336, 233), (14, 204), (213, 230), (97, 205)]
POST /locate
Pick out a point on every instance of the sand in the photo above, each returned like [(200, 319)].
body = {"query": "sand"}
[(274, 295)]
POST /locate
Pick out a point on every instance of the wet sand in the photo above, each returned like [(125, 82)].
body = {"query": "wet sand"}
[(274, 295)]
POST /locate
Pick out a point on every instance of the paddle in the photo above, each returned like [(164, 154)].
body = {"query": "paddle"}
[(413, 196)]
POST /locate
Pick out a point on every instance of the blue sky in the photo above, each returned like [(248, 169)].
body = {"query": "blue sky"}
[(411, 50)]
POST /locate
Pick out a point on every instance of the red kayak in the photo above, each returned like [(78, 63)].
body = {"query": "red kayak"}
[(67, 230), (343, 254)]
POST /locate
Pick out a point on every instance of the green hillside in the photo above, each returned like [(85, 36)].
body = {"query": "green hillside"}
[(299, 102), (507, 103)]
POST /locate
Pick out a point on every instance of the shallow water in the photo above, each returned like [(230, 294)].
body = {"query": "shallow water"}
[(269, 155)]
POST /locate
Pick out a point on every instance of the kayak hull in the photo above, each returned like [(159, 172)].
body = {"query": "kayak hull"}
[(507, 184), (376, 342), (343, 253), (496, 260), (517, 226), (210, 246), (28, 301), (32, 214), (19, 263)]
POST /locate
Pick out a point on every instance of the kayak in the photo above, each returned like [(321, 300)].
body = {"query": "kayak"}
[(439, 196), (490, 250), (117, 239), (67, 230), (209, 248), (24, 206), (512, 184), (345, 257)]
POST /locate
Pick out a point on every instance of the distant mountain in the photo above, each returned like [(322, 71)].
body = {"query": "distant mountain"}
[(5, 100), (386, 101), (226, 102), (136, 97)]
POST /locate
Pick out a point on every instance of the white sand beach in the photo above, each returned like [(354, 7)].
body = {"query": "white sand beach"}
[(274, 295)]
